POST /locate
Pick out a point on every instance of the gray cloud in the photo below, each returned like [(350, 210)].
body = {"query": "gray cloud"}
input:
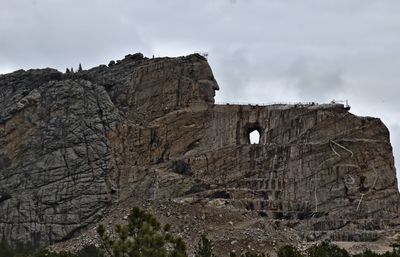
[(260, 50), (315, 79), (239, 74)]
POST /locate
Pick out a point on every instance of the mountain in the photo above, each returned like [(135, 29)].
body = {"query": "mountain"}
[(81, 148)]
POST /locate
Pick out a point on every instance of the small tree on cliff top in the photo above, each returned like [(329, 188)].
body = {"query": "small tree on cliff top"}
[(142, 237)]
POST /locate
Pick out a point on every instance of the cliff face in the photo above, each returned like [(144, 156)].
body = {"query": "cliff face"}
[(76, 147)]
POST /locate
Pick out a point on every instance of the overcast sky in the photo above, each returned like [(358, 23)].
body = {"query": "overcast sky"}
[(261, 51)]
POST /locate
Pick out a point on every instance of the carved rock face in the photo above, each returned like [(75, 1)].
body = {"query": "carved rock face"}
[(206, 82), (207, 89), (146, 131)]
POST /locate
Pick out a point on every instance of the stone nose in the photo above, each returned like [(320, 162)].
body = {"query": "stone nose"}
[(215, 86)]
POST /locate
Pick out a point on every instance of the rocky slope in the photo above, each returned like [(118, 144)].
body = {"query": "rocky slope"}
[(82, 147)]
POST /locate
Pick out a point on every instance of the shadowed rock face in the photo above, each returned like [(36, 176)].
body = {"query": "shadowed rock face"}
[(74, 146)]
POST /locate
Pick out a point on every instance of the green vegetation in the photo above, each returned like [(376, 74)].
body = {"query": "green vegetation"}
[(204, 248), (143, 236), (328, 250), (289, 251)]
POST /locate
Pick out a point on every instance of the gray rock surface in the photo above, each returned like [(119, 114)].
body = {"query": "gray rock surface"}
[(79, 147), (55, 158)]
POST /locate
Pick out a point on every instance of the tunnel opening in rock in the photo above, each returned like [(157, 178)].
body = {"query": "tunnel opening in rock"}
[(252, 133), (254, 136)]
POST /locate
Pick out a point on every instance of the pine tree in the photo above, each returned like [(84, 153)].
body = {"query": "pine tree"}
[(80, 68), (143, 236), (204, 248)]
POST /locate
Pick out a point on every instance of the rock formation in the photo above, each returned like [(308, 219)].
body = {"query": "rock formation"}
[(80, 147)]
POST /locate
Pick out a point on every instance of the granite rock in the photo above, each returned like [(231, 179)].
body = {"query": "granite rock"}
[(74, 147)]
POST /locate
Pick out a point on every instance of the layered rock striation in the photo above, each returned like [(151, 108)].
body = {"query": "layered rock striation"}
[(74, 146)]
